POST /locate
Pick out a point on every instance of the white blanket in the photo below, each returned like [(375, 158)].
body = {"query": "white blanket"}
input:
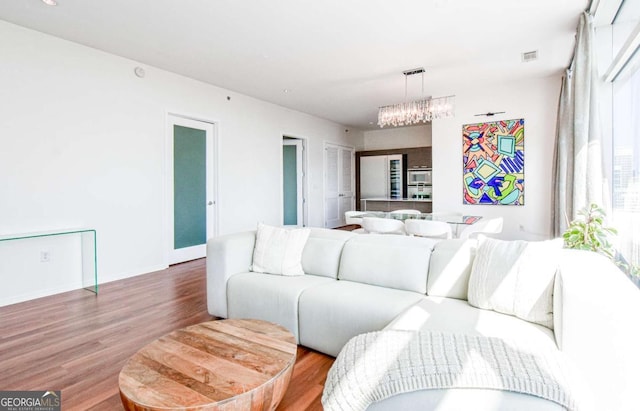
[(378, 365)]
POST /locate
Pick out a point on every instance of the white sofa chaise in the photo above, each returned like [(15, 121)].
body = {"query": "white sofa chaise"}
[(355, 284)]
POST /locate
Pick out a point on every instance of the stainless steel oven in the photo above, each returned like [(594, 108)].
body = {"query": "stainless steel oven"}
[(419, 176)]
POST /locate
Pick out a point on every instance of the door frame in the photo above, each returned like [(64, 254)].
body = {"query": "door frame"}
[(305, 180), (212, 161)]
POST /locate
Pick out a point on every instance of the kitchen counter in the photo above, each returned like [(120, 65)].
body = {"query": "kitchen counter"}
[(391, 204), (423, 200)]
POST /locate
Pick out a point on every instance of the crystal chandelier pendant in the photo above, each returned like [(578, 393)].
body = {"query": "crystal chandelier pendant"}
[(419, 111)]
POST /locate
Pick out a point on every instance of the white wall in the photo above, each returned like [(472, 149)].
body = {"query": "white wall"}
[(536, 101), (83, 145), (400, 137)]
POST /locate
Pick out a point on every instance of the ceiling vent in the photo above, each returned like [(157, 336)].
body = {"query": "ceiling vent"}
[(529, 56)]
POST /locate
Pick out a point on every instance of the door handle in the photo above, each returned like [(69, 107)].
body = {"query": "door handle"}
[(210, 203)]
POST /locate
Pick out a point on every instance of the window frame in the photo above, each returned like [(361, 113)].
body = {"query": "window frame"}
[(605, 13)]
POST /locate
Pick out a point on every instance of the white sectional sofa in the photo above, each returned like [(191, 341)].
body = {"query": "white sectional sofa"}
[(355, 284)]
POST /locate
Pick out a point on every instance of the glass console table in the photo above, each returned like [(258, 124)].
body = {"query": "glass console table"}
[(88, 250)]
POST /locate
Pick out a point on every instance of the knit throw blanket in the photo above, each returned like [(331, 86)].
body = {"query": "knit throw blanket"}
[(378, 365)]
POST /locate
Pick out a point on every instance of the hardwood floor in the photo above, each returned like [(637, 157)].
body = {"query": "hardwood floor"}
[(77, 342)]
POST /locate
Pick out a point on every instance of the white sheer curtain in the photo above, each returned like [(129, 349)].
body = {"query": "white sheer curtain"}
[(578, 177)]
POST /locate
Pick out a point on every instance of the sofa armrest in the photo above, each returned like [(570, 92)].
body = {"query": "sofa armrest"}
[(226, 255), (596, 322)]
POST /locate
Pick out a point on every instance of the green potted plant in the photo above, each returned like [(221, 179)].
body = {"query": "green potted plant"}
[(588, 232)]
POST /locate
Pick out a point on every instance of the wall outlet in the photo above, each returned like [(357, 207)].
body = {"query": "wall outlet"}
[(45, 256)]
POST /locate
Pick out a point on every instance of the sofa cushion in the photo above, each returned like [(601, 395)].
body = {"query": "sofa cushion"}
[(452, 315), (596, 324), (321, 255), (279, 250), (226, 255), (516, 278), (398, 262), (450, 267), (269, 297), (330, 314), (456, 399)]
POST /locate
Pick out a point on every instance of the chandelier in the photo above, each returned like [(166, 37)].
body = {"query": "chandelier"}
[(412, 112)]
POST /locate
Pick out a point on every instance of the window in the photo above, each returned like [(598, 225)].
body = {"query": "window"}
[(623, 85), (626, 161)]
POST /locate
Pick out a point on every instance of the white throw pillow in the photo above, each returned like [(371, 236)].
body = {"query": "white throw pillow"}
[(515, 278), (279, 250)]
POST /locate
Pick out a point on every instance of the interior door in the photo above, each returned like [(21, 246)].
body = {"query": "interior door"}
[(339, 191), (292, 183), (347, 185), (191, 187)]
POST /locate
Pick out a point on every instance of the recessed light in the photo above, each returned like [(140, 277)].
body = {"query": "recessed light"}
[(528, 56), (50, 2), (286, 90)]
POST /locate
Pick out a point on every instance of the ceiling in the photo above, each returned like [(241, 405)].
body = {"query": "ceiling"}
[(335, 59)]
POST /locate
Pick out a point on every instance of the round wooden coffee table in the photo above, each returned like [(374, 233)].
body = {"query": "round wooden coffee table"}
[(216, 365)]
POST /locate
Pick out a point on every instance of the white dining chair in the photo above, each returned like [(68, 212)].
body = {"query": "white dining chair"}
[(484, 226), (351, 217), (427, 228), (377, 225), (412, 212)]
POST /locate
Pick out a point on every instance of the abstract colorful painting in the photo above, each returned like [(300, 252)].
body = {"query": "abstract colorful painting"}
[(493, 157)]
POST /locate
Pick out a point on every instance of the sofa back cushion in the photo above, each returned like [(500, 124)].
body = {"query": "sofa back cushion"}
[(450, 267), (321, 254), (392, 261), (516, 278), (279, 250)]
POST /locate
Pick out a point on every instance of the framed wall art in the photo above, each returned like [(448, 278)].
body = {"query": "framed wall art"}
[(493, 161)]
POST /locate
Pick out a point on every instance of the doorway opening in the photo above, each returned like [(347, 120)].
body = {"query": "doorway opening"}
[(294, 205)]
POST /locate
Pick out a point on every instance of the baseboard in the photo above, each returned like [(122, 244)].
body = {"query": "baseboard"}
[(127, 274), (71, 287), (38, 294)]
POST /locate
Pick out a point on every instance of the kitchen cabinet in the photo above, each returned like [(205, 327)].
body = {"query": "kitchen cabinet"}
[(382, 176), (419, 157)]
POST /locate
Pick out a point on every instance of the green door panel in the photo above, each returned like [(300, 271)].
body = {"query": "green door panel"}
[(189, 185), (290, 184)]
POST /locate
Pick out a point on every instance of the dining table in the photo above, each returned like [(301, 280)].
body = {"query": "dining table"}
[(456, 220)]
